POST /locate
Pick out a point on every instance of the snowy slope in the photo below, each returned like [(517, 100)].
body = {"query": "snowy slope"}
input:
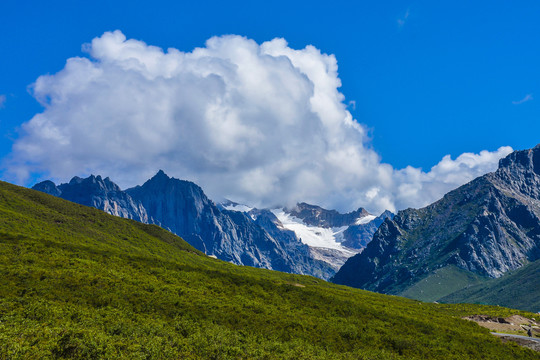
[(314, 236), (365, 219), (332, 237)]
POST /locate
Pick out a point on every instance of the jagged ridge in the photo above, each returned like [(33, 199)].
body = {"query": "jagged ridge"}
[(183, 208)]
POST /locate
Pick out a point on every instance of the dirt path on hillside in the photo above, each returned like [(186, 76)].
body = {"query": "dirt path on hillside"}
[(514, 324)]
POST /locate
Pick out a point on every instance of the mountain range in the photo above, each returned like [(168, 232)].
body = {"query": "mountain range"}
[(486, 229), (468, 245), (304, 240)]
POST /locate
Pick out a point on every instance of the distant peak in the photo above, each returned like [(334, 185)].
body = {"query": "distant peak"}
[(159, 178), (46, 183), (161, 174), (75, 180), (48, 187), (362, 212), (92, 179), (305, 206)]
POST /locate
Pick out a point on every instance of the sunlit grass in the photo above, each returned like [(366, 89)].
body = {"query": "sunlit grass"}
[(78, 283)]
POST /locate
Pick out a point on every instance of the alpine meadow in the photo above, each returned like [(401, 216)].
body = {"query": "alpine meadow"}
[(79, 283)]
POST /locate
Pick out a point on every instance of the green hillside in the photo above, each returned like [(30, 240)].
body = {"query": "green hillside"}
[(519, 289), (440, 283), (78, 283)]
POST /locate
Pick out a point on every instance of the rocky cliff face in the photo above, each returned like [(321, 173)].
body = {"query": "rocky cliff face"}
[(487, 227), (317, 216), (99, 193), (183, 208)]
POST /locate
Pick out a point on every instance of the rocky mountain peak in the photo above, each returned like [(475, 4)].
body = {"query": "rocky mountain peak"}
[(161, 185), (522, 160), (160, 175), (93, 184), (99, 193), (484, 228), (75, 180), (47, 187), (386, 214), (519, 172)]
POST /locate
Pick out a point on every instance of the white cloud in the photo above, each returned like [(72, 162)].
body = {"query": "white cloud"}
[(2, 100), (527, 97), (402, 20), (260, 124), (417, 188)]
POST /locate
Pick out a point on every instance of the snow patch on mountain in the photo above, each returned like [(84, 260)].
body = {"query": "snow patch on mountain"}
[(233, 206), (313, 236), (365, 219), (238, 207)]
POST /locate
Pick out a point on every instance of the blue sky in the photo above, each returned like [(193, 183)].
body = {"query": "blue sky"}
[(425, 78)]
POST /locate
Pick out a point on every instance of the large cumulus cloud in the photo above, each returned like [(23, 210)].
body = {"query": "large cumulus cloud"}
[(263, 124)]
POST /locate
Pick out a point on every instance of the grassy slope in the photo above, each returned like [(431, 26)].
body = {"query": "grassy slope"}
[(78, 283), (441, 282), (521, 288)]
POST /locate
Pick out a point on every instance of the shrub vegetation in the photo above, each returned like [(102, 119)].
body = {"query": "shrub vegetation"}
[(78, 283)]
